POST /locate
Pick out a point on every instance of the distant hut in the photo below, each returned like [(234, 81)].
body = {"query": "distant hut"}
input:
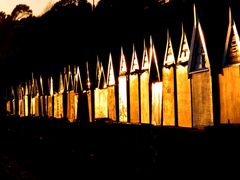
[(134, 93), (201, 80), (229, 79), (184, 106), (112, 114), (42, 99), (144, 87), (20, 101), (156, 87), (100, 94), (26, 100), (50, 100), (168, 73), (122, 89)]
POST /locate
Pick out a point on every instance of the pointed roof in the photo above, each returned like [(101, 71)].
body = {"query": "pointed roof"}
[(153, 58), (198, 60), (134, 62), (41, 85), (88, 77), (110, 75), (77, 80), (184, 51), (12, 93), (61, 84), (70, 85), (123, 65), (232, 44), (50, 86), (145, 60), (169, 58)]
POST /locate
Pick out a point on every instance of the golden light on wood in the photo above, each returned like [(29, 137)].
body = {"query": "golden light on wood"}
[(122, 89), (156, 87), (42, 102), (26, 108), (134, 89), (201, 81), (168, 85), (89, 96), (229, 79), (156, 103), (8, 106), (50, 100), (112, 114), (184, 106), (144, 87), (101, 95)]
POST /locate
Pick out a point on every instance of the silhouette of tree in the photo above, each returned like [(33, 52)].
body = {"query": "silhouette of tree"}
[(21, 11), (3, 16)]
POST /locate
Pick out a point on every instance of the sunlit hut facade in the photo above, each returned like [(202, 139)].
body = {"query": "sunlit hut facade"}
[(35, 99), (58, 99), (156, 87), (20, 90), (26, 100), (100, 94), (229, 79), (168, 72), (11, 103), (49, 98), (184, 106), (88, 92), (122, 89), (42, 99), (112, 114), (200, 76), (134, 93), (72, 94), (144, 87)]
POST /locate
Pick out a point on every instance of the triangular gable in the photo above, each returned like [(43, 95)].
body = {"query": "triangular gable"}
[(61, 85), (110, 75), (184, 51), (123, 65), (169, 58), (153, 58), (198, 60), (145, 60), (134, 63), (232, 45)]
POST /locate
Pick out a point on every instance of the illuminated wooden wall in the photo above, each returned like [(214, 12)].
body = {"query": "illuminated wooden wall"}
[(144, 87), (168, 91), (134, 89), (229, 79), (122, 89), (184, 106), (156, 88), (112, 114), (101, 94), (201, 80)]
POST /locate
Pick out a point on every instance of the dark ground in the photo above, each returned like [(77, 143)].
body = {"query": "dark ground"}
[(50, 149)]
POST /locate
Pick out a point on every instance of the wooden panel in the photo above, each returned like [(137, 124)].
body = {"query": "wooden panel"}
[(42, 112), (8, 106), (75, 106), (50, 106), (71, 106), (156, 103), (112, 103), (134, 99), (13, 104), (168, 97), (89, 102), (101, 103), (26, 111), (229, 91), (46, 105), (60, 106), (123, 116), (202, 108), (145, 115), (21, 107), (184, 106), (55, 111), (32, 106)]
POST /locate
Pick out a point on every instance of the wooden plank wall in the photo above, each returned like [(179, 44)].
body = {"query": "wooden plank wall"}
[(112, 103), (202, 107), (145, 111), (156, 103), (229, 92), (134, 98), (122, 97), (184, 106), (168, 96)]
